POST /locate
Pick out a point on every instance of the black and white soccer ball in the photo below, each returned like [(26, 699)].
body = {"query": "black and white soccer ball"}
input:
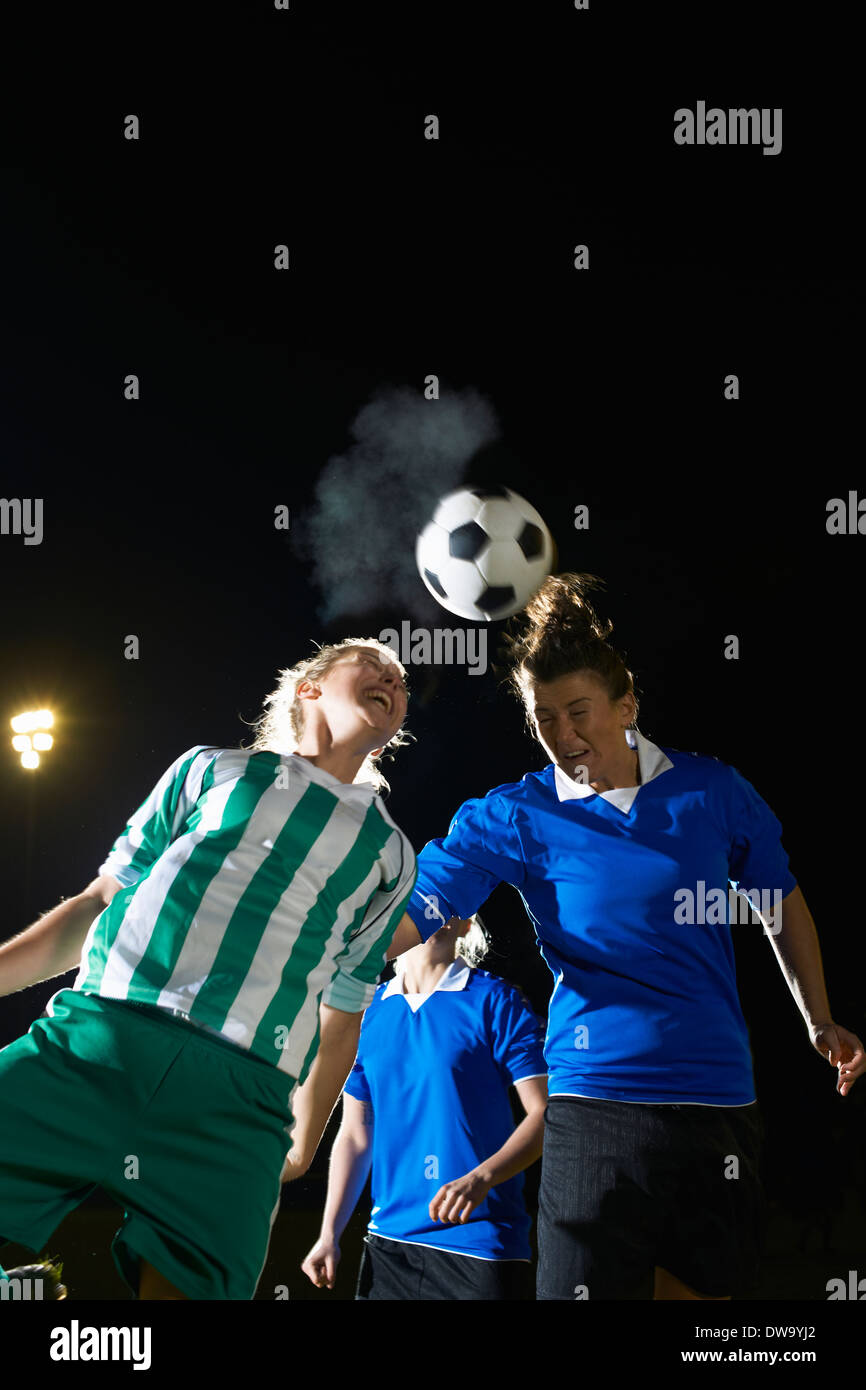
[(484, 553)]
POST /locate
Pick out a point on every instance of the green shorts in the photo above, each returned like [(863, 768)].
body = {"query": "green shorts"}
[(186, 1132)]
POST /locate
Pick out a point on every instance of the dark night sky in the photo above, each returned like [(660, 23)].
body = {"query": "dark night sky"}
[(408, 256)]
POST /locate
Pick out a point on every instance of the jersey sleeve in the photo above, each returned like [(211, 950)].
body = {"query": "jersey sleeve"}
[(756, 857), (362, 961), (158, 820), (518, 1039), (456, 875), (356, 1082)]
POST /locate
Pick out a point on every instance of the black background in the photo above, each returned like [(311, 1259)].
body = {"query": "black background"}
[(455, 257)]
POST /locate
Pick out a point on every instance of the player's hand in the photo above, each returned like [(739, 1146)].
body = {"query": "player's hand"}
[(841, 1049), (457, 1200), (320, 1266)]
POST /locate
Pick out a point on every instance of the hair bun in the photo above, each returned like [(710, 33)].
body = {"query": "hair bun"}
[(559, 633), (561, 605)]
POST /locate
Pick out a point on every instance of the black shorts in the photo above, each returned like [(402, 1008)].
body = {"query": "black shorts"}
[(627, 1187), (396, 1269)]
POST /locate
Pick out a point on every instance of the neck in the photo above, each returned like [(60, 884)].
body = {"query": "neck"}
[(342, 763), (627, 775), (423, 968)]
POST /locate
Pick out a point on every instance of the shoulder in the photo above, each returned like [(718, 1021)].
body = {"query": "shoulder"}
[(501, 803), (372, 1009), (499, 993), (398, 852), (212, 752), (717, 786), (708, 771), (702, 769), (225, 763), (531, 786), (189, 756), (178, 771)]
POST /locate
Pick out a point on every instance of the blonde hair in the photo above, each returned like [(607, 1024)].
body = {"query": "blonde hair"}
[(473, 946), (280, 727)]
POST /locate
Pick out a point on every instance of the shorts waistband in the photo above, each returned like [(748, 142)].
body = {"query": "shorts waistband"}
[(159, 1012), (177, 1019)]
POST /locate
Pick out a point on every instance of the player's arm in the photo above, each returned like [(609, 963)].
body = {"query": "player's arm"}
[(351, 1158), (795, 942), (53, 945), (455, 1201), (343, 1003), (314, 1101), (456, 875), (405, 937)]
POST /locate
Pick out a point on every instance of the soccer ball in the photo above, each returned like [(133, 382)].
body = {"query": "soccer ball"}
[(484, 553)]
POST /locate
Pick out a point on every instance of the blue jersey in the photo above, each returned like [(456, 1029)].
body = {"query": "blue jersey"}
[(438, 1078), (629, 896)]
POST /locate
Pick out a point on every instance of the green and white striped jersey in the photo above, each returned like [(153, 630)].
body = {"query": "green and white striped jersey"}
[(254, 885)]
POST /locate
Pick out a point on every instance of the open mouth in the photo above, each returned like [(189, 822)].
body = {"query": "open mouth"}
[(381, 697)]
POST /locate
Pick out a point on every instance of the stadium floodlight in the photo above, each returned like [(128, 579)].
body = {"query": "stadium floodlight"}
[(26, 724)]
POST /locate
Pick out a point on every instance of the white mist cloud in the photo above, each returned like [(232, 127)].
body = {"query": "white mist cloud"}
[(372, 500)]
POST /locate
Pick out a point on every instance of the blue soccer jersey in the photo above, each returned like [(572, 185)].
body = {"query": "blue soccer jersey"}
[(437, 1077), (624, 891)]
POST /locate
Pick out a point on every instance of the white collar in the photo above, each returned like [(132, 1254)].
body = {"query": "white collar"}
[(653, 762), (347, 791), (455, 977)]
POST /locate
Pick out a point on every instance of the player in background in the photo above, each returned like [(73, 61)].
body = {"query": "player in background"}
[(427, 1105), (228, 948), (652, 1096)]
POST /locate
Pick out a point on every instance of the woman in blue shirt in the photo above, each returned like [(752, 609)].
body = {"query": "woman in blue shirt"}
[(626, 855), (427, 1105)]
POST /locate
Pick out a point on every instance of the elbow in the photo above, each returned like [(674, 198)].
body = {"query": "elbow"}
[(295, 1166), (101, 891)]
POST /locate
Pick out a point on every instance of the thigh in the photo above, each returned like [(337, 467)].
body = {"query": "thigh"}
[(598, 1222), (391, 1271), (712, 1232), (209, 1148), (464, 1278), (63, 1102)]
